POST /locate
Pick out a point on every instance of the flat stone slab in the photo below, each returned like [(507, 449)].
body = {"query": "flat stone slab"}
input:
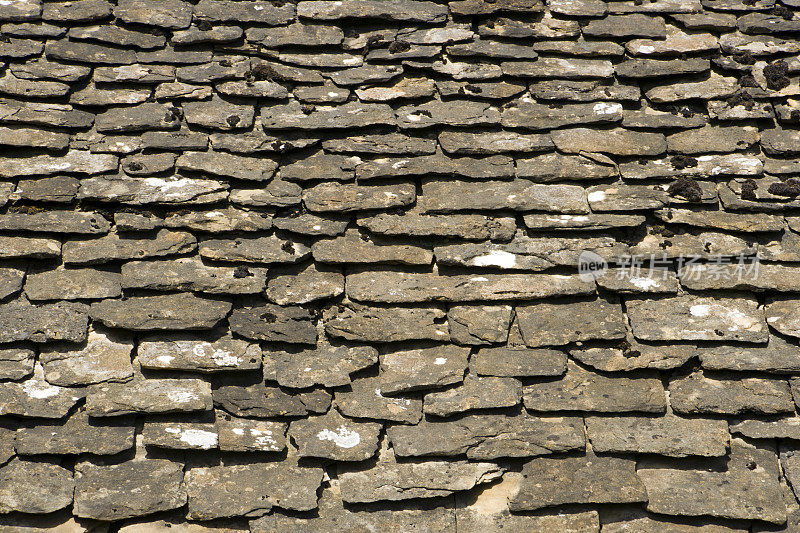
[(354, 248), (335, 437), (440, 196), (488, 436), (192, 353), (669, 435), (566, 321), (133, 488), (250, 490), (34, 487), (413, 223), (250, 435), (266, 250), (114, 247), (747, 489), (479, 324), (386, 324), (168, 312), (474, 393), (698, 318), (77, 434), (582, 390), (191, 274), (327, 365), (72, 284), (106, 356), (422, 368), (60, 321), (389, 481), (37, 398), (149, 396), (180, 435), (698, 393), (365, 399), (397, 287), (519, 361), (274, 323), (585, 479)]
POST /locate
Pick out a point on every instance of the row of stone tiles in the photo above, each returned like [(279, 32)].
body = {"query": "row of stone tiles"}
[(749, 487), (176, 15)]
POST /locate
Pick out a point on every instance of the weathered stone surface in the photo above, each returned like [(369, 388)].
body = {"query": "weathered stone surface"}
[(556, 67), (517, 195), (536, 116), (389, 143), (35, 397), (353, 248), (397, 287), (518, 361), (28, 137), (556, 167), (265, 250), (669, 435), (11, 281), (308, 224), (565, 321), (218, 114), (275, 324), (416, 224), (139, 118), (780, 428), (458, 143), (227, 165), (479, 324), (780, 141), (474, 393), (782, 316), (72, 284), (716, 86), (386, 324), (616, 141), (390, 481), (333, 436), (55, 221), (190, 274), (16, 363), (220, 220), (457, 113), (489, 436), (747, 489), (296, 34), (249, 435), (60, 189), (261, 401), (105, 356), (60, 321), (149, 396), (333, 515), (656, 68), (697, 393), (337, 197), (34, 487), (76, 434), (349, 115), (172, 311), (321, 165), (631, 280), (74, 161), (250, 489), (583, 390), (188, 352), (401, 11), (632, 355), (422, 368), (707, 165), (299, 286), (581, 222), (115, 247), (712, 139), (366, 400), (257, 12), (179, 435), (171, 14), (781, 278), (585, 479), (526, 253), (133, 488), (698, 318), (490, 167)]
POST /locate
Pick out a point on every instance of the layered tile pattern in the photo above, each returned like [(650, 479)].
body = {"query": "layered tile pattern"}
[(315, 266)]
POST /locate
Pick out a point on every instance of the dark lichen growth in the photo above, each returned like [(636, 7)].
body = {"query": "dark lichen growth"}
[(262, 72), (741, 98), (775, 73), (399, 46), (680, 162), (241, 272), (747, 80), (686, 188), (749, 190), (789, 188)]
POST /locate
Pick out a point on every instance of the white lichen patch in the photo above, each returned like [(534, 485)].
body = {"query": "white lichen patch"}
[(342, 437), (179, 396), (498, 258)]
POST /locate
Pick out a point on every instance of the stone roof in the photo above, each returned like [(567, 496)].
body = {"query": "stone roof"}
[(367, 265)]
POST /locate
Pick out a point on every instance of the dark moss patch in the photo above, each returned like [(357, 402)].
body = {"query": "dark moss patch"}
[(687, 188), (789, 188), (775, 73)]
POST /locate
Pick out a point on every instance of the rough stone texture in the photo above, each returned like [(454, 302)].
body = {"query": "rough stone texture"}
[(250, 489), (747, 489), (238, 236), (133, 488), (588, 479), (488, 436)]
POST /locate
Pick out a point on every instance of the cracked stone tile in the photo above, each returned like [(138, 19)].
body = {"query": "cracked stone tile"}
[(333, 436), (697, 393), (365, 399)]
